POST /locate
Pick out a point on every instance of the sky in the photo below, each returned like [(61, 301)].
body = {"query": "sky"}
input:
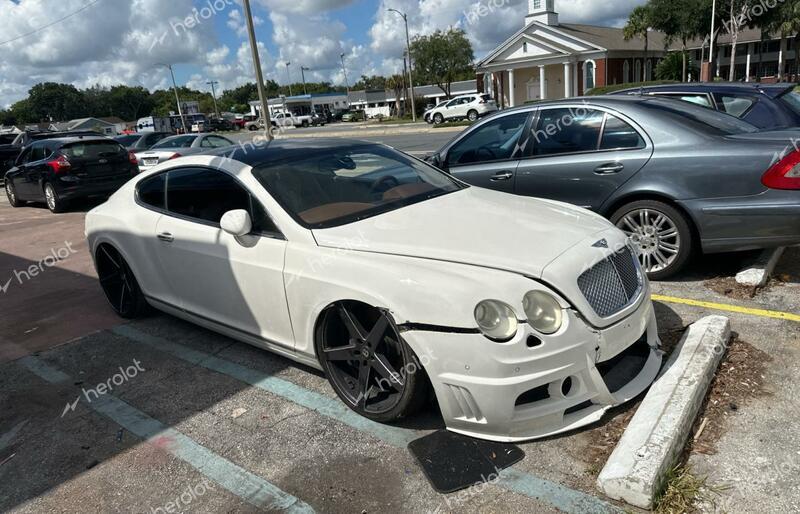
[(110, 42)]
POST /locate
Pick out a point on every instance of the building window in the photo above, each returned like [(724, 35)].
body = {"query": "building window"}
[(537, 4), (525, 47), (648, 70), (626, 72), (637, 71), (588, 75)]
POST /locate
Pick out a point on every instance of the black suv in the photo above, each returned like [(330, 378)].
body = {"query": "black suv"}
[(56, 171), (767, 106)]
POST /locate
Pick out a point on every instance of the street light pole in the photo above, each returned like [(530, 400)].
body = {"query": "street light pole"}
[(177, 98), (289, 78), (410, 69), (262, 96), (344, 72), (303, 71), (213, 84), (711, 41)]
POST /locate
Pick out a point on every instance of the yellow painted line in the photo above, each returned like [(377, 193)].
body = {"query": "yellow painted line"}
[(729, 308)]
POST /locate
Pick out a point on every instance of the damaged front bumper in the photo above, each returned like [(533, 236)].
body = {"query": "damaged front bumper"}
[(536, 386)]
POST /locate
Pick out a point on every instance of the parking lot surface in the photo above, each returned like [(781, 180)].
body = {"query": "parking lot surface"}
[(101, 415)]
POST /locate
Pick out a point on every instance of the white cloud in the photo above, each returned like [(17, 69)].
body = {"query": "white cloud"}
[(304, 6)]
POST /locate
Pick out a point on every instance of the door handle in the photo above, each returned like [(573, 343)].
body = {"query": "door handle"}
[(502, 175), (609, 168), (166, 237)]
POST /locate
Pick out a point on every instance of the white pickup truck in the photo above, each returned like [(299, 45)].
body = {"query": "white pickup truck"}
[(287, 119)]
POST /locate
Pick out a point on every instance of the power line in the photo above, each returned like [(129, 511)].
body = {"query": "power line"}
[(50, 24)]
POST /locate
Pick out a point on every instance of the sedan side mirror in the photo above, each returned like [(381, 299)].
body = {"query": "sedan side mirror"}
[(434, 160), (236, 223)]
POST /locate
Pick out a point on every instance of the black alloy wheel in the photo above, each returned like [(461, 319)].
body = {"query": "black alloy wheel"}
[(368, 364), (118, 283)]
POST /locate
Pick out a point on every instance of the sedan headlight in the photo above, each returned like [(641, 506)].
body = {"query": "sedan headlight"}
[(543, 311), (496, 320)]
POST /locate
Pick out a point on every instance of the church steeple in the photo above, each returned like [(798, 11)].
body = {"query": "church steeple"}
[(543, 11)]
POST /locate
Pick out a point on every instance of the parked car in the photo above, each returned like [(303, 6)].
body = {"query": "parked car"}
[(318, 119), (427, 115), (767, 106), (676, 177), (242, 120), (254, 124), (12, 145), (465, 278), (57, 171), (219, 125), (469, 107), (141, 140), (287, 119), (354, 116), (179, 146)]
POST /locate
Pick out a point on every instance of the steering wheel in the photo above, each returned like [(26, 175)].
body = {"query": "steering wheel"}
[(384, 184), (485, 153)]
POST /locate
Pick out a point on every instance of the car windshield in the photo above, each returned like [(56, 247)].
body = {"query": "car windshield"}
[(175, 142), (7, 139), (333, 187), (792, 99), (127, 140), (705, 119)]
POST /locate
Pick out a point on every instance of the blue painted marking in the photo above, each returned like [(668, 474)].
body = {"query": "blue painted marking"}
[(559, 496), (251, 488)]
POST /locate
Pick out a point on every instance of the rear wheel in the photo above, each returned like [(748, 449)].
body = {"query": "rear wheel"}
[(368, 364), (119, 284), (472, 115), (54, 202), (660, 232), (11, 193)]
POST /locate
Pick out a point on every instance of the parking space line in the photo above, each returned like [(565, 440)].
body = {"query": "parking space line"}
[(559, 496), (249, 487), (728, 308)]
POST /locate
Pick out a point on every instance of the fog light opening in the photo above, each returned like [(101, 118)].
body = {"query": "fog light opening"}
[(566, 386), (534, 342)]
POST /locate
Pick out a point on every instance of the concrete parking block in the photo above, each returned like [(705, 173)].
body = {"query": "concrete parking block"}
[(758, 273), (658, 431)]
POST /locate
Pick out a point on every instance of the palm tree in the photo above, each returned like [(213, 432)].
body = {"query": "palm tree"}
[(639, 26), (786, 20), (398, 84)]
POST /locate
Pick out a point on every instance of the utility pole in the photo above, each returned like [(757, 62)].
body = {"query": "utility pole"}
[(344, 72), (303, 71), (289, 78), (262, 96), (410, 69), (177, 98), (711, 42), (213, 84)]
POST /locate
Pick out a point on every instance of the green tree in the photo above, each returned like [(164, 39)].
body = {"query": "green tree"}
[(681, 20), (673, 66), (373, 82), (50, 101), (442, 58), (785, 19), (638, 26)]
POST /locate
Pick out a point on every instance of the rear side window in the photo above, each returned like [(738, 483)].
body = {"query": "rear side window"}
[(151, 191), (618, 135), (92, 149), (563, 131), (697, 99), (734, 105)]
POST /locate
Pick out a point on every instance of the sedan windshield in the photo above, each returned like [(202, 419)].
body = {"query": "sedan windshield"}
[(706, 120), (335, 187), (175, 142), (792, 99)]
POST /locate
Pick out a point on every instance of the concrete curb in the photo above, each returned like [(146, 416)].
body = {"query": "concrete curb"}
[(656, 435), (758, 273)]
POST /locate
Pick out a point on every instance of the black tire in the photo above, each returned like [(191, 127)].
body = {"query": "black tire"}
[(53, 201), (661, 232), (472, 115), (119, 284), (438, 118), (252, 128), (304, 124), (374, 372), (11, 194)]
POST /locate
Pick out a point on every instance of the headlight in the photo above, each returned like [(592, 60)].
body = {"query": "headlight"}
[(496, 320), (543, 311)]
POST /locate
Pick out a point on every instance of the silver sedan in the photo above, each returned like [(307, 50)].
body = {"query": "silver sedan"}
[(179, 146)]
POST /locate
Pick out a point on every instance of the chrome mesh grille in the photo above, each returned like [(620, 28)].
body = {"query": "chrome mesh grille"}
[(613, 283)]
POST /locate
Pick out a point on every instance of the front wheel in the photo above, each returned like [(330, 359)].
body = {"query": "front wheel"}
[(660, 232), (472, 115), (371, 368), (54, 202), (11, 194), (438, 119)]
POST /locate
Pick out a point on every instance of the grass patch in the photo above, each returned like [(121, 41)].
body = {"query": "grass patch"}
[(682, 490), (462, 123)]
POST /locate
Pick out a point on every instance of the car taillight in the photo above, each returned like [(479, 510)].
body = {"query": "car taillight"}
[(132, 158), (60, 164), (174, 156), (785, 174)]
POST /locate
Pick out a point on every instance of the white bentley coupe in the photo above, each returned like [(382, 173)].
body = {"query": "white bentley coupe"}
[(527, 317)]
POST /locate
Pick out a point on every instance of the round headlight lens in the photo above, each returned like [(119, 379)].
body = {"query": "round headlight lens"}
[(496, 320), (543, 311)]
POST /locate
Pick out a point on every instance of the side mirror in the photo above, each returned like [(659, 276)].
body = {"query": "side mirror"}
[(236, 223), (434, 160)]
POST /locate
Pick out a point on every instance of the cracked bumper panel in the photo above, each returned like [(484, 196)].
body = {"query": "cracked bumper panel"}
[(526, 388)]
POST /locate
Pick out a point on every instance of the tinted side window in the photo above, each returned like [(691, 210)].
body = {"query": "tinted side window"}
[(495, 140), (699, 99), (734, 105), (562, 131), (151, 191), (619, 135)]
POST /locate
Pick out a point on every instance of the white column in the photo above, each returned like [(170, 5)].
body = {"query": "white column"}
[(511, 88), (575, 87), (542, 83), (747, 66), (567, 80), (780, 61)]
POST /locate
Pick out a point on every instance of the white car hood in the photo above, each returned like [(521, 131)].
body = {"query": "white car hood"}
[(474, 226)]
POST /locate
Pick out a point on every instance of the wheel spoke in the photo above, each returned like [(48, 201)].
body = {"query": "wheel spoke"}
[(363, 384), (110, 258), (342, 353), (631, 223), (352, 325), (387, 372), (375, 335), (670, 232), (122, 297)]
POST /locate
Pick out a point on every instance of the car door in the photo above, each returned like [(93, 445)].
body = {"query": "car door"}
[(488, 155), (17, 174), (581, 155), (234, 282), (34, 171)]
